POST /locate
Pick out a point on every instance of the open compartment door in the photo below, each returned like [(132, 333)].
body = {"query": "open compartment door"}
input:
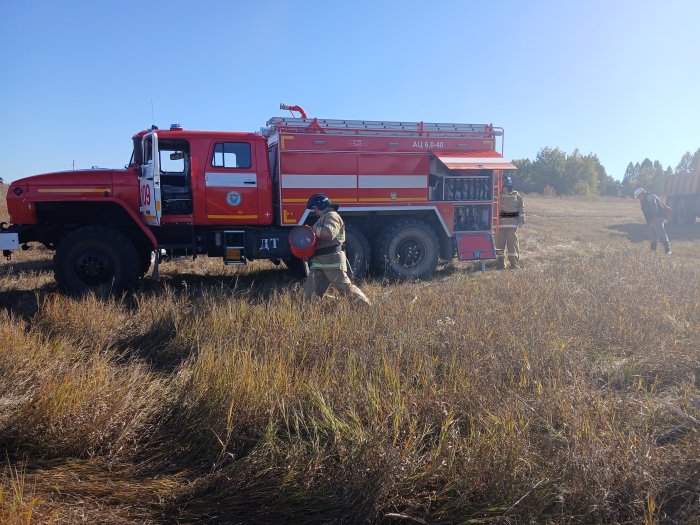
[(473, 247), (475, 160)]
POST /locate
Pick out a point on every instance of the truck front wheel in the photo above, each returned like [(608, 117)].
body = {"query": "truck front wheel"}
[(408, 248), (145, 257), (97, 259)]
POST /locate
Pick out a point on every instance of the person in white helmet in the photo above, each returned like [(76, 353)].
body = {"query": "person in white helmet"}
[(654, 213)]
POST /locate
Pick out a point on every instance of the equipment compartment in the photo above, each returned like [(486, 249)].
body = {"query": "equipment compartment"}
[(472, 218), (467, 189)]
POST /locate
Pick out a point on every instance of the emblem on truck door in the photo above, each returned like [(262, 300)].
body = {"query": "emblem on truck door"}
[(233, 198)]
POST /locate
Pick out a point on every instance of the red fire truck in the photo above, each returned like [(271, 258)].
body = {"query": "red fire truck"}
[(410, 193)]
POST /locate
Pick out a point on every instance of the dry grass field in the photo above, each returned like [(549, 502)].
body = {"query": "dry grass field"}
[(567, 392)]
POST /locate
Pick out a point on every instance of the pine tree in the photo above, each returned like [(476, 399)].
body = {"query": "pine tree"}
[(631, 178), (695, 161), (685, 164)]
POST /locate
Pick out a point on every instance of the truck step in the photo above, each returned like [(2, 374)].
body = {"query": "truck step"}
[(234, 247)]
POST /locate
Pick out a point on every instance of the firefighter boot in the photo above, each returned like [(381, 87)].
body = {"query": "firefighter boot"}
[(653, 246), (667, 249), (513, 261), (500, 264)]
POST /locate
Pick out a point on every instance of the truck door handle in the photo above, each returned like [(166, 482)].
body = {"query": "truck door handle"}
[(248, 182)]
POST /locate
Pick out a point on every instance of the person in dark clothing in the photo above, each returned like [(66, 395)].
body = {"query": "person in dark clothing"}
[(654, 213)]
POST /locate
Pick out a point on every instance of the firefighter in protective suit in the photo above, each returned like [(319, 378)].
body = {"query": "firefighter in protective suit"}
[(328, 265), (511, 217)]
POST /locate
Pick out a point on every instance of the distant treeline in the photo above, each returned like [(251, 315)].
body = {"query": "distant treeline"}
[(555, 172)]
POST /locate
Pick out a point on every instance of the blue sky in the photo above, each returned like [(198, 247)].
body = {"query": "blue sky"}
[(618, 79)]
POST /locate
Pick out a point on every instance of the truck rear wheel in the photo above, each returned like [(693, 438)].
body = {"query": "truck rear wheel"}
[(407, 249), (96, 259), (357, 250)]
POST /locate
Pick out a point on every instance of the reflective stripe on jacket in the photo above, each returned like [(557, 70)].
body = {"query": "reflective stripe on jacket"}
[(511, 209)]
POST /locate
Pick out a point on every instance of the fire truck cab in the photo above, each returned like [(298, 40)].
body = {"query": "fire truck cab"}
[(202, 178)]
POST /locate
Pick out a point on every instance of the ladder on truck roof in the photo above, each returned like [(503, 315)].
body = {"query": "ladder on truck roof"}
[(372, 127)]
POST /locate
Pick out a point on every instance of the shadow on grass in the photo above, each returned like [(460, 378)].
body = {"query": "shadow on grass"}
[(639, 232), (25, 303), (157, 346), (20, 268), (160, 346), (257, 286)]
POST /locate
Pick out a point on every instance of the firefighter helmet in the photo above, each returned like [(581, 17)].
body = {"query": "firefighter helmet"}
[(320, 201), (507, 181), (638, 192)]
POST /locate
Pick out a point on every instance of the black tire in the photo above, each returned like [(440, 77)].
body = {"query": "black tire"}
[(357, 251), (407, 249), (96, 259), (144, 261), (685, 211), (296, 267)]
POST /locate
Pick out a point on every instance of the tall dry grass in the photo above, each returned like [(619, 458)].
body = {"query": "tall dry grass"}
[(17, 501), (563, 393)]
